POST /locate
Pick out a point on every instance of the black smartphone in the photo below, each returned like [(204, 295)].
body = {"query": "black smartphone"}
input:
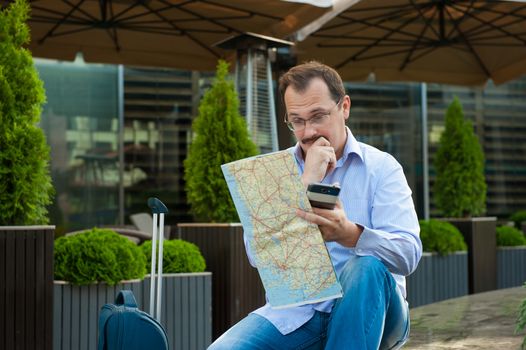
[(323, 195)]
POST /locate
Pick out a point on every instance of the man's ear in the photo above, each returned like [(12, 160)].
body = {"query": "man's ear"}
[(346, 105)]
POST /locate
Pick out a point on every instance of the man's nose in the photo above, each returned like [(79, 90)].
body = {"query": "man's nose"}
[(310, 129)]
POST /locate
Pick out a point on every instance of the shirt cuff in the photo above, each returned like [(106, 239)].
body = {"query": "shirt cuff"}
[(367, 243)]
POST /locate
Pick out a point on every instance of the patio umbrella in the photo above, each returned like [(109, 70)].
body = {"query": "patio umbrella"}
[(458, 42), (168, 33)]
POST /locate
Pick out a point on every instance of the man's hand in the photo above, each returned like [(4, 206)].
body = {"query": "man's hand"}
[(320, 160), (334, 225)]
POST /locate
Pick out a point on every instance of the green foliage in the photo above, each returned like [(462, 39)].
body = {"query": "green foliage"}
[(460, 187), (98, 255), (221, 136), (508, 236), (25, 184), (518, 218), (178, 256), (441, 237), (521, 320)]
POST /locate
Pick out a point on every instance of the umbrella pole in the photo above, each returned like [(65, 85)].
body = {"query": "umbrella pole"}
[(425, 142)]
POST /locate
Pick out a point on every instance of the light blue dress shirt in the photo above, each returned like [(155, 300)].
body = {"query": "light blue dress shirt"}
[(374, 194)]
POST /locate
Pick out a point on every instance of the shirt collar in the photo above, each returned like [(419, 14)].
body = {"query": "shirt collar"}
[(351, 146)]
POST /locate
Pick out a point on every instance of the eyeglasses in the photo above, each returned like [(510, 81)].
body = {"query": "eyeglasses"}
[(318, 120)]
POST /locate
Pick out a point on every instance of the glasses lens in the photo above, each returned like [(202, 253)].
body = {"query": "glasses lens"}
[(294, 125)]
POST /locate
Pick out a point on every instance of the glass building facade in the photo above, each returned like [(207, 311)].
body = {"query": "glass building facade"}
[(120, 135), (81, 122)]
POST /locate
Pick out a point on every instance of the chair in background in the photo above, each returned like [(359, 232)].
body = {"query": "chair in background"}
[(144, 223)]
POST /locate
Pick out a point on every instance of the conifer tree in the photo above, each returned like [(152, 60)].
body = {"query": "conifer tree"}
[(460, 187), (25, 184), (221, 136)]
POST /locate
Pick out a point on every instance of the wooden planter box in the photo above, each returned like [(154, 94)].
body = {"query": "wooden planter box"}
[(26, 287), (438, 278), (236, 286), (185, 314), (511, 266)]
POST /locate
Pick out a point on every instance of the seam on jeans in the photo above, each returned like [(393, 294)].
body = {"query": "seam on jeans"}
[(311, 341), (377, 304)]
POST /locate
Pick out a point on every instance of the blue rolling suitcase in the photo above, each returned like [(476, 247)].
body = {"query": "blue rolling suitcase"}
[(122, 326)]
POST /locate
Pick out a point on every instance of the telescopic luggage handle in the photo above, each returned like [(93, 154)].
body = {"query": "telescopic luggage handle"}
[(157, 206), (158, 210)]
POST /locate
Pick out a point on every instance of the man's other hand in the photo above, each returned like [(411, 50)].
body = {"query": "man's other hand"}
[(333, 224)]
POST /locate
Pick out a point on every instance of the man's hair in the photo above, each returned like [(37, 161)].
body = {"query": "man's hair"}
[(300, 76)]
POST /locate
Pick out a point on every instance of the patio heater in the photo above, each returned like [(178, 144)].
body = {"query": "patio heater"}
[(254, 85)]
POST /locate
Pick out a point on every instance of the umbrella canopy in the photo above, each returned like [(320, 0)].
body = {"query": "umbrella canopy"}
[(168, 33), (444, 41)]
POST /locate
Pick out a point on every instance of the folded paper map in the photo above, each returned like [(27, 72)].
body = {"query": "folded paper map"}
[(289, 252)]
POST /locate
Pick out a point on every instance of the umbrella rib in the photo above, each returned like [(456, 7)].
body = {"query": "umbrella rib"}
[(81, 10), (354, 37), (126, 10), (59, 23), (361, 45), (365, 49), (73, 31), (508, 14), (499, 28), (418, 40), (155, 30), (485, 29), (209, 19), (140, 26), (424, 53), (103, 9), (115, 36), (378, 55), (251, 13), (51, 12), (464, 11), (223, 18), (468, 44), (198, 42), (46, 19), (497, 44), (347, 15), (379, 26)]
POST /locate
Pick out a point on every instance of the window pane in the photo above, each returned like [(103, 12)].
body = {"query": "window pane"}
[(81, 123)]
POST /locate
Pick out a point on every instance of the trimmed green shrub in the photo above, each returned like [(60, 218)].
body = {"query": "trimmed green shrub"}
[(518, 218), (521, 320), (508, 236), (460, 187), (221, 136), (98, 255), (441, 237), (178, 256), (25, 184)]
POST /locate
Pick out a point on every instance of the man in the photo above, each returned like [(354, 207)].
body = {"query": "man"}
[(372, 234)]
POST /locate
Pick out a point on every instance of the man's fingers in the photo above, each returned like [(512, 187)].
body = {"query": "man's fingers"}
[(312, 217), (321, 141)]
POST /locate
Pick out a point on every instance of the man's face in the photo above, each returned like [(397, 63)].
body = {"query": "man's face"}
[(324, 118)]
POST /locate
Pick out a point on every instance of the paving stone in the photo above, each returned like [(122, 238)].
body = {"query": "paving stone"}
[(479, 321)]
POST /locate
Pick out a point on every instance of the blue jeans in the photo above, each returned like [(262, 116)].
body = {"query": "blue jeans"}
[(371, 315)]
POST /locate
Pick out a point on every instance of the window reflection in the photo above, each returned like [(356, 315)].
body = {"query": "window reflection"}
[(81, 123)]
